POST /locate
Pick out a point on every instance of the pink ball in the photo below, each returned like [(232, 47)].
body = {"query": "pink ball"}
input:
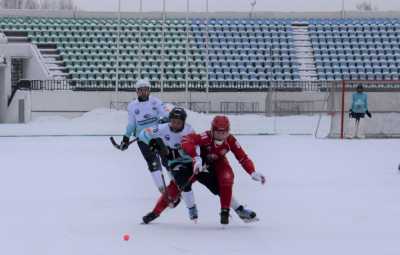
[(126, 237)]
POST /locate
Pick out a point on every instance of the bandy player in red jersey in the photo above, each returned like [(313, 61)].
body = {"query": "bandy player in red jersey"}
[(214, 145), (218, 178)]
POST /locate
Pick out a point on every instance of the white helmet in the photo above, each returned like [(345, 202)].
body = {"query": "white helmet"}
[(142, 83)]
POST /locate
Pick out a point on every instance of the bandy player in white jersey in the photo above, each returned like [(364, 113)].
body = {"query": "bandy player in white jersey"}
[(166, 140), (146, 111)]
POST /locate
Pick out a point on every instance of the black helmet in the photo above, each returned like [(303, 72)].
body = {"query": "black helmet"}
[(178, 113), (360, 87)]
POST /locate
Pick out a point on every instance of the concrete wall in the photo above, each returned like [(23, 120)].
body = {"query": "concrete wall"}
[(71, 103), (14, 110), (33, 68), (3, 90)]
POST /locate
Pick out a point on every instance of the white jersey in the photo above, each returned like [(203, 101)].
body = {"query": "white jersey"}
[(171, 139), (144, 114)]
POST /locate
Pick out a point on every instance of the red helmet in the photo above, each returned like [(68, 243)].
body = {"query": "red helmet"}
[(220, 123)]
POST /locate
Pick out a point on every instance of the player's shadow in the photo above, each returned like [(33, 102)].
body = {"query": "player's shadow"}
[(200, 226)]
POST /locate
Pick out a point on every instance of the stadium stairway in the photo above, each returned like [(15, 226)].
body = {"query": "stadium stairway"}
[(53, 60), (49, 53), (304, 51)]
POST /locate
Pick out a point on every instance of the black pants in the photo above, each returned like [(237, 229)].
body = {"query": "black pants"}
[(182, 174), (152, 159), (209, 179)]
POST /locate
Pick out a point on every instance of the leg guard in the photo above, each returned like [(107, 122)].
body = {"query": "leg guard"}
[(172, 193), (225, 178)]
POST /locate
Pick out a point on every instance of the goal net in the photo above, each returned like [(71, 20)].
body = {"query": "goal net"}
[(383, 103)]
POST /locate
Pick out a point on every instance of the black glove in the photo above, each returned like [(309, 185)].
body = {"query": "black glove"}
[(157, 145), (124, 143), (350, 113), (368, 114), (163, 120)]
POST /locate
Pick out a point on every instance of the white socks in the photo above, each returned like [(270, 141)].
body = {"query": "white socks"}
[(188, 197), (158, 179), (234, 203)]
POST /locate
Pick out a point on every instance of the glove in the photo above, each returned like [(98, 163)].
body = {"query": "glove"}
[(124, 143), (158, 146), (368, 114), (197, 165), (350, 113), (163, 120), (258, 177)]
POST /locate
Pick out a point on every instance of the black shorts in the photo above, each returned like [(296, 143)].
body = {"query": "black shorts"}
[(182, 174), (209, 179), (152, 158), (357, 115)]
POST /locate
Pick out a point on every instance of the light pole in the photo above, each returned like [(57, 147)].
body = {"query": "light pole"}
[(252, 4), (342, 9), (117, 57), (207, 39), (140, 40), (118, 38), (187, 56), (162, 52)]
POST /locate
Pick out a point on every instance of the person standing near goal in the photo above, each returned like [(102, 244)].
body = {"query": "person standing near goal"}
[(359, 107), (143, 112)]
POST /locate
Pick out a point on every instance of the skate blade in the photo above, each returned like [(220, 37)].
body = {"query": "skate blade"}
[(251, 220)]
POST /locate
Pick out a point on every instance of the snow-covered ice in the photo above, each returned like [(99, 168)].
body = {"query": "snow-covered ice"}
[(78, 195)]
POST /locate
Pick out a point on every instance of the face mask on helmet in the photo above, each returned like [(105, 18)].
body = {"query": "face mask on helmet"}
[(177, 118), (143, 94), (143, 89), (220, 136), (220, 127)]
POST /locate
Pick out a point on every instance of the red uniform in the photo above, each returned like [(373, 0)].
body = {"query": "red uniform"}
[(214, 155)]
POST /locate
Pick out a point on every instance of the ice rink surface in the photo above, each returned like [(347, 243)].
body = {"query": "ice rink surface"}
[(78, 195)]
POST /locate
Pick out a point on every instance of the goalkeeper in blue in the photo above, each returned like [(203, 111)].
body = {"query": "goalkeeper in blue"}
[(357, 112)]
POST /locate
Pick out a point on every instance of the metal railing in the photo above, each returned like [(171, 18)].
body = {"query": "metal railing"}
[(239, 107), (214, 86), (180, 85)]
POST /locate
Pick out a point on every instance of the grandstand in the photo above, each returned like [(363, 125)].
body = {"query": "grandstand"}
[(228, 52), (238, 49)]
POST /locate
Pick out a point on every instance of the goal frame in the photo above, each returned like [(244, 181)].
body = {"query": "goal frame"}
[(349, 86)]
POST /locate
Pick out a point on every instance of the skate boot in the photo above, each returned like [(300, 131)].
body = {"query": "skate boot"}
[(246, 215), (193, 213), (224, 216), (149, 217)]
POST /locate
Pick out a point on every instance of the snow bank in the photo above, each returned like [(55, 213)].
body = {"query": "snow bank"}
[(113, 122)]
